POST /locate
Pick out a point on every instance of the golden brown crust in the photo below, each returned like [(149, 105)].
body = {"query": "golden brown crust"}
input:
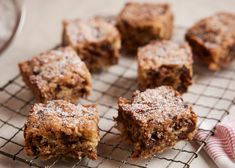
[(155, 120), (56, 74), (96, 41), (213, 40), (59, 128), (139, 23), (165, 63)]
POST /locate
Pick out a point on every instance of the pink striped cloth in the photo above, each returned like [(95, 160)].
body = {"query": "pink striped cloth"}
[(221, 146)]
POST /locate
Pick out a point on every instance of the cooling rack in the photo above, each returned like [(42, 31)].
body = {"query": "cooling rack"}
[(212, 95)]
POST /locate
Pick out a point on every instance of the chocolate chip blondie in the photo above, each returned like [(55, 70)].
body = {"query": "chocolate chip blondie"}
[(165, 63), (57, 74), (139, 23), (155, 120), (96, 41), (62, 129), (213, 40)]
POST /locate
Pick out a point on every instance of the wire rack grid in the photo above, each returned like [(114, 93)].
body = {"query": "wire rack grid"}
[(212, 96)]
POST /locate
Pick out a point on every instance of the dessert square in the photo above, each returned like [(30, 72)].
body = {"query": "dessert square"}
[(57, 74), (155, 120), (62, 129), (96, 41), (140, 23), (212, 40), (165, 63)]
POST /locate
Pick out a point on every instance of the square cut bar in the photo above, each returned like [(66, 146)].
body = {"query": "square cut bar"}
[(62, 129), (165, 63), (57, 74), (141, 23), (155, 120), (96, 41), (213, 40)]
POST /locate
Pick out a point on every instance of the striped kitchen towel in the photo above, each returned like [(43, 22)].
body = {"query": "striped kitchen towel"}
[(221, 146)]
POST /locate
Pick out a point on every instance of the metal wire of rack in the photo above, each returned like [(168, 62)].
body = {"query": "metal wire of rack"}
[(212, 95)]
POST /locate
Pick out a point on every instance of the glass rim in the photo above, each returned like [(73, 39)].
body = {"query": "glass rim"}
[(20, 15)]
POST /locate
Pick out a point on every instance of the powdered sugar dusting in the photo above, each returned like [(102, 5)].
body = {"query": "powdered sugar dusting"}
[(91, 30), (143, 11), (156, 104), (158, 53), (215, 30), (64, 113), (56, 64)]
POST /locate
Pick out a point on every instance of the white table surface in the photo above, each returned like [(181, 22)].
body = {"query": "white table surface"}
[(42, 31)]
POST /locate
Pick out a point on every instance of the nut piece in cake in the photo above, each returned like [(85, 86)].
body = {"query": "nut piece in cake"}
[(165, 63), (213, 40), (141, 23), (155, 120), (56, 74), (62, 129), (96, 41)]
